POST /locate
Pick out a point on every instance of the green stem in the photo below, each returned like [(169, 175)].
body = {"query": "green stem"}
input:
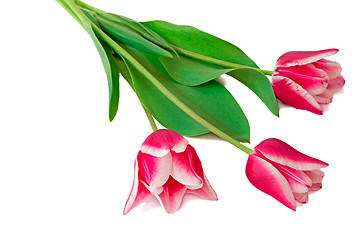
[(218, 61), (70, 11), (151, 120), (122, 52), (81, 16), (94, 9)]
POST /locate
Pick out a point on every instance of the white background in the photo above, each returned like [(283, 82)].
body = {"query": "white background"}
[(66, 171)]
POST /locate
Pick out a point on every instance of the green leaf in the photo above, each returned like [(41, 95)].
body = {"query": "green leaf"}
[(147, 33), (122, 33), (192, 72), (90, 16), (197, 41), (123, 70), (259, 84), (112, 72), (211, 101)]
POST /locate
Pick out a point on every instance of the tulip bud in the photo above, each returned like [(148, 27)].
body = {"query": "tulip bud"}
[(167, 168), (305, 80), (284, 173)]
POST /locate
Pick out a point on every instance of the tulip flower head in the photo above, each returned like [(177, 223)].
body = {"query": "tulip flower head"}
[(305, 80), (167, 168), (284, 173)]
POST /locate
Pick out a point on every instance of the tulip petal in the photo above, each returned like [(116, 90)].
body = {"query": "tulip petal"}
[(265, 177), (154, 170), (294, 58), (182, 170), (294, 95), (316, 176), (282, 153), (336, 84), (139, 193), (206, 191), (332, 68), (310, 78), (316, 187), (172, 195), (325, 97), (301, 197), (298, 180), (160, 142)]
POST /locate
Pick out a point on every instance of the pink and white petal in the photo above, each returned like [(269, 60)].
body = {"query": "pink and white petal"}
[(294, 58), (265, 177), (154, 170), (316, 176), (294, 95), (160, 142), (297, 187), (336, 84), (280, 152), (182, 171), (312, 79), (139, 193), (172, 195), (297, 179), (301, 197), (316, 187), (206, 192), (332, 68), (325, 97)]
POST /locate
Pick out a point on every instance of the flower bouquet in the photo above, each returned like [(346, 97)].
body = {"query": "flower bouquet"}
[(172, 69)]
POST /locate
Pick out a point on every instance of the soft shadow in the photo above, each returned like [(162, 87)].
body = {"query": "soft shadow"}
[(150, 203), (326, 107), (341, 91), (207, 136), (282, 105), (189, 197), (222, 80)]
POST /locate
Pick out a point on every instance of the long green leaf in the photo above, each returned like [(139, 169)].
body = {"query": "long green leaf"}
[(147, 33), (121, 32), (211, 101), (123, 69), (259, 84), (112, 72), (192, 72), (197, 41)]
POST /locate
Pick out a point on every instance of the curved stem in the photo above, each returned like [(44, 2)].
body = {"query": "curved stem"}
[(151, 120), (79, 14), (218, 61), (70, 11)]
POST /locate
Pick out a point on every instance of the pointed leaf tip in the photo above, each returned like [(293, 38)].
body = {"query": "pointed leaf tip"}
[(260, 85)]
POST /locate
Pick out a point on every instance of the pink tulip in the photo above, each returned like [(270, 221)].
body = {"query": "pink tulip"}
[(167, 168), (305, 80), (284, 173)]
